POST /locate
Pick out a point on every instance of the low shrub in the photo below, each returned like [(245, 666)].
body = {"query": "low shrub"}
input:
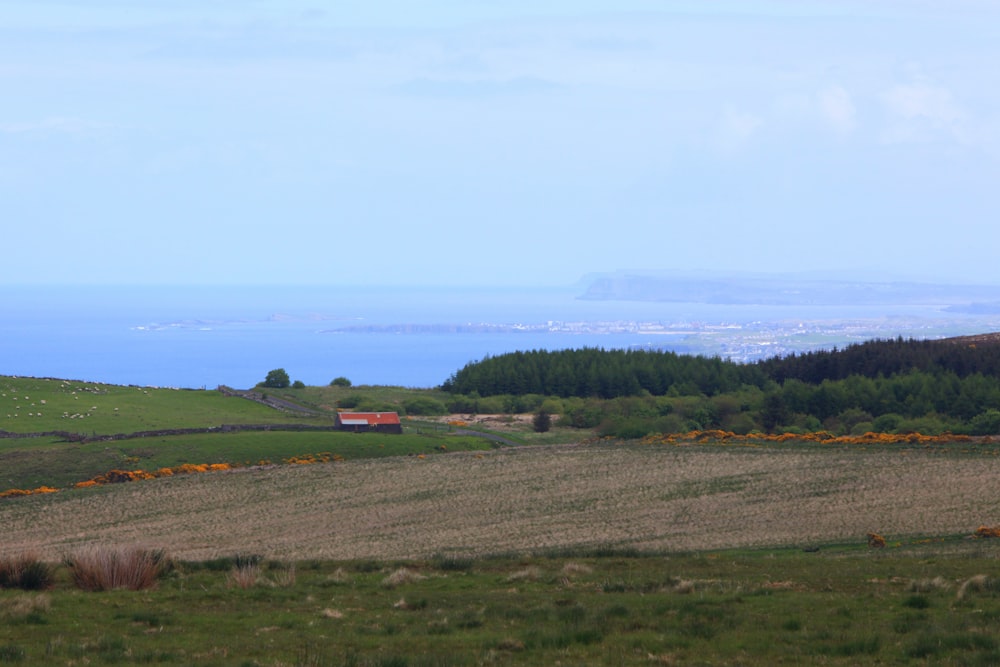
[(424, 405), (351, 401), (27, 572), (100, 568)]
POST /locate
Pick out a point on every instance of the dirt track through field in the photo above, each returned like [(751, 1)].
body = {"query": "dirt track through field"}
[(672, 498)]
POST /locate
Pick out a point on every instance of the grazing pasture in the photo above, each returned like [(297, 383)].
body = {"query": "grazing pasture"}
[(33, 405)]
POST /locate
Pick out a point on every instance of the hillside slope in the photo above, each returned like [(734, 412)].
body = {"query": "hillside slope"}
[(668, 498)]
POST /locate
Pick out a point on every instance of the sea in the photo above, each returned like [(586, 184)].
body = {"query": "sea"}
[(203, 337)]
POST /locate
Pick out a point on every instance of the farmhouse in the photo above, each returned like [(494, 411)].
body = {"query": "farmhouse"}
[(359, 422)]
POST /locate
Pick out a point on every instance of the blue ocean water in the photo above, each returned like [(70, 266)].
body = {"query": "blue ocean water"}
[(203, 337)]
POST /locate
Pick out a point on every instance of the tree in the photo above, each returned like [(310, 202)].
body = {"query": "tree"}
[(542, 421), (340, 382), (277, 379), (774, 413)]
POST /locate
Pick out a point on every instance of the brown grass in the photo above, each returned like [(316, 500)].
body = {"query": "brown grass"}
[(653, 497), (283, 577), (929, 585), (245, 575), (976, 584), (102, 568), (530, 573), (400, 577)]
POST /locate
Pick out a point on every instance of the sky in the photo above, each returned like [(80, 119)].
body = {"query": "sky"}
[(521, 143)]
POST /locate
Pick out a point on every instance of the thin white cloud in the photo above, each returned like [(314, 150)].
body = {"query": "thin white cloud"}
[(735, 129), (57, 124), (476, 88), (837, 108), (922, 112)]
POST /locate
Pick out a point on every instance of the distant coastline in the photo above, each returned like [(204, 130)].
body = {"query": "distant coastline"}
[(208, 336)]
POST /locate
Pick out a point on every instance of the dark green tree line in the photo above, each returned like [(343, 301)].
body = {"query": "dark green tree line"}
[(592, 372)]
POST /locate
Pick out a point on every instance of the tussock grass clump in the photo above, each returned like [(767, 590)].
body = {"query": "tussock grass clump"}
[(977, 584), (26, 571), (571, 568), (102, 568), (929, 585), (530, 573), (244, 577), (338, 577), (245, 570), (685, 587), (400, 577), (24, 607), (282, 575)]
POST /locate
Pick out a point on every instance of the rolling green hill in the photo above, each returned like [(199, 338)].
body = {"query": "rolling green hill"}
[(56, 433)]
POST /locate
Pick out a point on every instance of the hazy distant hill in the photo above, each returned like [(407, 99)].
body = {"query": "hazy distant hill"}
[(779, 290)]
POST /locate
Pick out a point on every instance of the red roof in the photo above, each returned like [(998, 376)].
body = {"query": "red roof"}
[(370, 418)]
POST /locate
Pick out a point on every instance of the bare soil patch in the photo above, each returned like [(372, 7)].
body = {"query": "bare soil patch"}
[(502, 423), (656, 497)]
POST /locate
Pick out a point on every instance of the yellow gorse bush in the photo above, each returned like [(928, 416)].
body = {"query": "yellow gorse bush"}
[(122, 476), (988, 531), (308, 459), (869, 438), (13, 493), (117, 476), (876, 541)]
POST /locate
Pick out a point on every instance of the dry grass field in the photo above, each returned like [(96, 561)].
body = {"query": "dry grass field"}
[(646, 497)]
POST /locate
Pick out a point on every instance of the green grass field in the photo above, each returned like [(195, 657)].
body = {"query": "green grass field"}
[(32, 406), (846, 606), (29, 405), (29, 463), (931, 597)]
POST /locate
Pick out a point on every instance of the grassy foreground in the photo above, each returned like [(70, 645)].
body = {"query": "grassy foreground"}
[(848, 606)]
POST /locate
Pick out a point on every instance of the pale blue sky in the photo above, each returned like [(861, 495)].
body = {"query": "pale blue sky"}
[(508, 143)]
